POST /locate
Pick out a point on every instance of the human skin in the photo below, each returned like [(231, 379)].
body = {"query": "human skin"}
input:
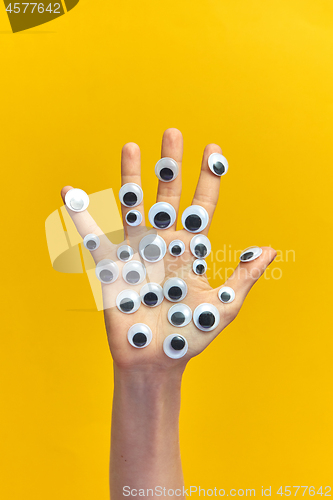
[(145, 449)]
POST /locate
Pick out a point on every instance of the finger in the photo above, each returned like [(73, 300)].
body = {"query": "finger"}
[(172, 147), (208, 187), (131, 172)]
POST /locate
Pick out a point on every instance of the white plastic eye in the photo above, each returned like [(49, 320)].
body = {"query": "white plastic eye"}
[(199, 266), (200, 246), (226, 294), (175, 289), (177, 248), (162, 215), (91, 242), (139, 335), (107, 271), (218, 164), (128, 301), (206, 317), (125, 253), (166, 169), (151, 294), (179, 315), (134, 272), (133, 218), (77, 200), (130, 194), (250, 254), (195, 219), (175, 346), (152, 248)]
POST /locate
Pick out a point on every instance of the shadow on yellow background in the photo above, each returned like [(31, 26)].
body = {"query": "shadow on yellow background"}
[(254, 77)]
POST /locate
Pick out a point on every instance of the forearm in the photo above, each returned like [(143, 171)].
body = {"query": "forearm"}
[(145, 431)]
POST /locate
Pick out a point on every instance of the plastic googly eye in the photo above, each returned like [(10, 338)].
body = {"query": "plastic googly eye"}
[(175, 346), (107, 271), (250, 254), (195, 219), (139, 335), (134, 272), (179, 315), (152, 248), (130, 194), (125, 253), (133, 218), (151, 294), (218, 164), (206, 317), (200, 246), (175, 289), (199, 266), (226, 294), (77, 200), (177, 248), (166, 169), (91, 242), (162, 215), (128, 301)]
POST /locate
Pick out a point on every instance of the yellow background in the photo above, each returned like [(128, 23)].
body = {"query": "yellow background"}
[(255, 77)]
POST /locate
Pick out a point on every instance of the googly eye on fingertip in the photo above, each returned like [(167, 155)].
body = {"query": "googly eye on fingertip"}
[(195, 219), (226, 294), (128, 301), (91, 242), (175, 346), (200, 246), (133, 218), (151, 294), (166, 169), (218, 164), (107, 271), (134, 272), (125, 253), (139, 335), (199, 267), (77, 200), (250, 253), (152, 248), (206, 317), (176, 248), (175, 289), (130, 194), (162, 215), (179, 315)]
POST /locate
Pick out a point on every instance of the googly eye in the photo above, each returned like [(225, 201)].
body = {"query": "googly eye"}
[(130, 195), (162, 215), (175, 346), (77, 200), (250, 254), (91, 242), (107, 271), (175, 289), (151, 294), (218, 164), (200, 246), (133, 218), (125, 253), (152, 248), (199, 266), (206, 317), (134, 272), (177, 248), (166, 169), (179, 315), (128, 301), (226, 294), (195, 219), (139, 335)]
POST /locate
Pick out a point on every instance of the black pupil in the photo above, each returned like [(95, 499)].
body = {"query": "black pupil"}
[(178, 318), (200, 250), (152, 252), (106, 275), (150, 299), (133, 276), (178, 343), (139, 339), (175, 293), (126, 305), (166, 174), (91, 244), (218, 168), (207, 319), (193, 222), (176, 250), (131, 217), (225, 296), (247, 256), (162, 220), (200, 268), (124, 255), (130, 199)]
